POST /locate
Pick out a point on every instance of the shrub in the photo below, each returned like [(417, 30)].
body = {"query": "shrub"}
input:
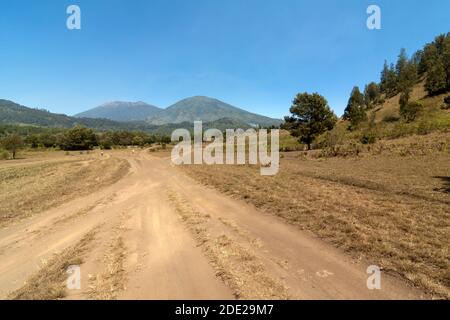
[(447, 102), (12, 143), (78, 138), (391, 118), (368, 137), (4, 154), (410, 110)]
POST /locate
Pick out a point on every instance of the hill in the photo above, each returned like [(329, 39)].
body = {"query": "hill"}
[(122, 111), (207, 110), (13, 113), (15, 116)]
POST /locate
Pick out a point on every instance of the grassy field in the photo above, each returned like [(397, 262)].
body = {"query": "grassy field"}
[(390, 208), (46, 179)]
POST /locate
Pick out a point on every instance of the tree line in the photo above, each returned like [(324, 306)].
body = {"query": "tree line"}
[(311, 115), (76, 138), (432, 64)]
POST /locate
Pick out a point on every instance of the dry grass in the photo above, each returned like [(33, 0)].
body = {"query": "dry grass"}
[(105, 286), (238, 267), (393, 210), (30, 187), (49, 282)]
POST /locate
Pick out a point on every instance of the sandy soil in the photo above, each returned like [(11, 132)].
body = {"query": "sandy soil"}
[(158, 234)]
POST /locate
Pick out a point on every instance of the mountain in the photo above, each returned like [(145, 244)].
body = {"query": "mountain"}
[(207, 110), (18, 116), (121, 111), (13, 113)]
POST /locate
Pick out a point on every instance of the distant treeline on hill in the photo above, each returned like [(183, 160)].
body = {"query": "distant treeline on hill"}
[(432, 64), (79, 137)]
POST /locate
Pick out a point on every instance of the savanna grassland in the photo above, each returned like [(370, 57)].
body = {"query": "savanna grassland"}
[(388, 204), (40, 180)]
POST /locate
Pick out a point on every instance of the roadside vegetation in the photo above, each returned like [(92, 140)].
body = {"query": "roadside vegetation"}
[(14, 138)]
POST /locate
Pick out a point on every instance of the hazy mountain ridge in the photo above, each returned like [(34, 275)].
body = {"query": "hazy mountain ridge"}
[(208, 109), (187, 110), (17, 115), (122, 111)]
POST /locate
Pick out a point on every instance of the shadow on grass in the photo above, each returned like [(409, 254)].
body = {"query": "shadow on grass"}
[(446, 181)]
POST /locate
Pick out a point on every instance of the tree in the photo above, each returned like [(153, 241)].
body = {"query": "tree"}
[(436, 62), (436, 79), (388, 82), (311, 116), (384, 77), (12, 142), (410, 110), (404, 99), (406, 72), (78, 138), (355, 111), (402, 62), (371, 94), (447, 102)]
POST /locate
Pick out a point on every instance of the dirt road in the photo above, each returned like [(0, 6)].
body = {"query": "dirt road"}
[(160, 235)]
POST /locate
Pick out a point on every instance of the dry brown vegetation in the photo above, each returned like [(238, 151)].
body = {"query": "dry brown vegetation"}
[(49, 282), (47, 179), (390, 208), (106, 285)]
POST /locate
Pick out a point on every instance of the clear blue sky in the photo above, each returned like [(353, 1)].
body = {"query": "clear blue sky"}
[(255, 54)]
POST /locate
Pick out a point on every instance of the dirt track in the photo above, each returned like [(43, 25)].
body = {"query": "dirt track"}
[(161, 235)]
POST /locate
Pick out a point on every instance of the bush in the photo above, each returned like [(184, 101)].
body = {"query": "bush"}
[(12, 142), (78, 138), (368, 137), (391, 118), (447, 102), (410, 110), (4, 155)]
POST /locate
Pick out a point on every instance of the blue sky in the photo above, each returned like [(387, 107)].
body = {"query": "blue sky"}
[(254, 54)]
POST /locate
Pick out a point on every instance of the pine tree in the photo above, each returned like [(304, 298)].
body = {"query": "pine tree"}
[(371, 94), (391, 81), (384, 77), (355, 111), (402, 62), (311, 116), (406, 72), (436, 79)]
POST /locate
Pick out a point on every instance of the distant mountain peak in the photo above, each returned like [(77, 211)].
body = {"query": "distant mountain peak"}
[(122, 111), (207, 109)]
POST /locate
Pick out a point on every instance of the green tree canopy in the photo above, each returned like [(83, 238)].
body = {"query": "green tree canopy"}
[(78, 138), (12, 142), (311, 116), (371, 94), (355, 110)]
